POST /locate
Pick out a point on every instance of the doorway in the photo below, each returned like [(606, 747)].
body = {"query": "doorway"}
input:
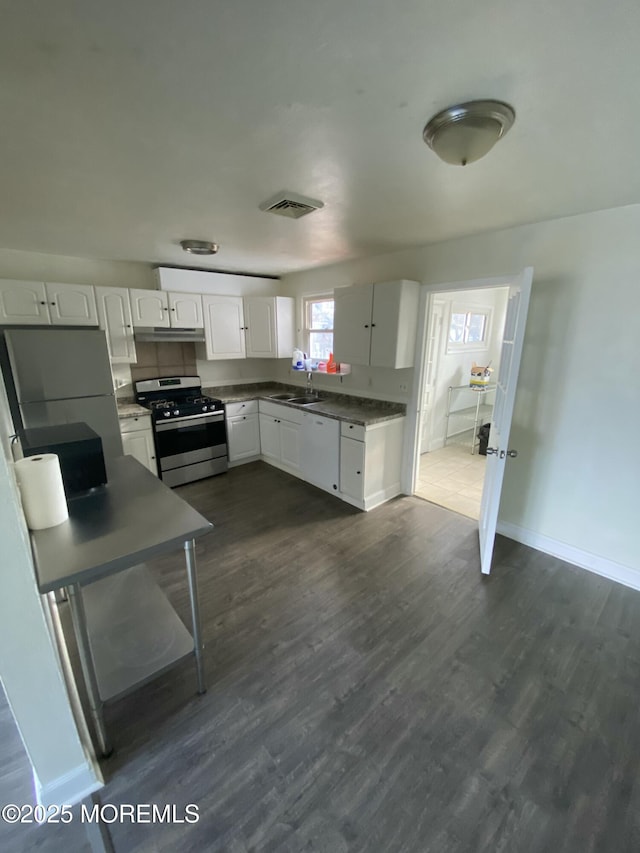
[(462, 356)]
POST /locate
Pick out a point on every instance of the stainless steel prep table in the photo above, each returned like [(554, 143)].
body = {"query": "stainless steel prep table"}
[(134, 517)]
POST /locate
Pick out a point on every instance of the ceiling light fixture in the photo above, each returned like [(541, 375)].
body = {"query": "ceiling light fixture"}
[(466, 132), (199, 247)]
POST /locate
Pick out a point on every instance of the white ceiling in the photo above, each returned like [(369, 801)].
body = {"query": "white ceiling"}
[(127, 125)]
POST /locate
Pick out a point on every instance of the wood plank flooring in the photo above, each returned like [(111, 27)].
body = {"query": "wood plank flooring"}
[(369, 691)]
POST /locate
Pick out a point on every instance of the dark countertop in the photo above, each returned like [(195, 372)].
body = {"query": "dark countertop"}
[(134, 517), (344, 407)]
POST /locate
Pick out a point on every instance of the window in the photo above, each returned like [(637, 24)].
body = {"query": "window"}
[(319, 326), (468, 330)]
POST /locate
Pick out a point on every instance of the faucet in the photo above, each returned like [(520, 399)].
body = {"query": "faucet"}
[(309, 382)]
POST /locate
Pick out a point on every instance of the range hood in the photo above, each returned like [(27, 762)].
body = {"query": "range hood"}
[(160, 334)]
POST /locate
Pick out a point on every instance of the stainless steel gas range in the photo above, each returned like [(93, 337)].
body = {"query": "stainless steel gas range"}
[(189, 428)]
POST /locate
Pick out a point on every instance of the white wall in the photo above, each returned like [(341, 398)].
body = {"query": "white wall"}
[(574, 487), (32, 266), (29, 666)]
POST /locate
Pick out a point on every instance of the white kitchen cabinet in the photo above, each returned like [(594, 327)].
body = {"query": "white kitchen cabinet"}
[(280, 429), (71, 304), (149, 308), (370, 462), (375, 324), (243, 431), (114, 316), (44, 304), (23, 302), (269, 326), (185, 310), (223, 327), (320, 451), (137, 441)]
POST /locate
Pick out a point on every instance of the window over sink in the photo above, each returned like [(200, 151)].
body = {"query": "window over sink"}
[(318, 311)]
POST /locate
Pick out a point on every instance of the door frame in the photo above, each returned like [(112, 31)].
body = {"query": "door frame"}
[(428, 292)]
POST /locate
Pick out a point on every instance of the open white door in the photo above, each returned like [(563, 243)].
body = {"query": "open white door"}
[(498, 451)]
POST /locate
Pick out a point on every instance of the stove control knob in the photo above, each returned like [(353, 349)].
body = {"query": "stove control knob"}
[(176, 412), (166, 414), (204, 408)]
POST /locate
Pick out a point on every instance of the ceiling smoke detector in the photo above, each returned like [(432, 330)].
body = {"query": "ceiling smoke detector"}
[(291, 205), (466, 132), (199, 247)]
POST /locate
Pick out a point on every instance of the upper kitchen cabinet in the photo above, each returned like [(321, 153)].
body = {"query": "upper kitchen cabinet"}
[(149, 308), (224, 327), (114, 316), (161, 310), (375, 324), (185, 310), (269, 326), (23, 302), (71, 304), (44, 304)]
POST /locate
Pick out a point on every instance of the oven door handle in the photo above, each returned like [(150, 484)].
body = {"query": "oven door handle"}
[(162, 426)]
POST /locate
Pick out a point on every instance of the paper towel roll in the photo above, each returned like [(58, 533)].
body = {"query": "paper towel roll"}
[(40, 482)]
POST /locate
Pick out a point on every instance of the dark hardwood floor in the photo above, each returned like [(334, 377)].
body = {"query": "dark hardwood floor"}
[(369, 691)]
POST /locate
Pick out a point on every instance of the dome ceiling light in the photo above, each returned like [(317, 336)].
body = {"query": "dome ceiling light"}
[(199, 247), (466, 132)]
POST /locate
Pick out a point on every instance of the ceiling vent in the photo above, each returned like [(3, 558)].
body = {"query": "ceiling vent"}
[(290, 205)]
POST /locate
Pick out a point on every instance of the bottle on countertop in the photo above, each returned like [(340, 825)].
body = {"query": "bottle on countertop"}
[(297, 362)]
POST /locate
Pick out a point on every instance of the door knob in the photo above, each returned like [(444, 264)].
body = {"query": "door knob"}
[(512, 453), (492, 450)]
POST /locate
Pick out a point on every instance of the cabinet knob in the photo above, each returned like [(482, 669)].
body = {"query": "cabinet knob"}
[(53, 303), (128, 325), (335, 487), (43, 303), (244, 417), (357, 472), (173, 309), (366, 325), (350, 426), (373, 325)]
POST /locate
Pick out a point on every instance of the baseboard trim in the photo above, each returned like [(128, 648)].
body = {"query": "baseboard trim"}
[(69, 789), (583, 559)]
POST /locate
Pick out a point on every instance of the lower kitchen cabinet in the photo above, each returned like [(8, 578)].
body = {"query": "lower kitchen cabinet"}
[(370, 462), (359, 464), (280, 428), (243, 431), (137, 441)]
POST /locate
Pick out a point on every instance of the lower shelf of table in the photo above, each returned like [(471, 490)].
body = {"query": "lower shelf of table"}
[(134, 632)]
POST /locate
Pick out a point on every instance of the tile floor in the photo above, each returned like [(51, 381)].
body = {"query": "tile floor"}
[(452, 478)]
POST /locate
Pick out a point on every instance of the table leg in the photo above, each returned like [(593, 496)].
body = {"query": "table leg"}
[(84, 650), (190, 557)]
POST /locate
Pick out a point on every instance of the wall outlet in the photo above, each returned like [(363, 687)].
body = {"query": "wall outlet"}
[(404, 386)]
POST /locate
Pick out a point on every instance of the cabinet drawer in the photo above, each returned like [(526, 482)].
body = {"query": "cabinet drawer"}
[(135, 424), (247, 407), (356, 431), (286, 413)]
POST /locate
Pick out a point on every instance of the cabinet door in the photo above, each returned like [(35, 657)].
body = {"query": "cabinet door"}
[(270, 437), (23, 302), (149, 308), (260, 324), (243, 437), (352, 460), (224, 326), (290, 444), (352, 323), (114, 316), (140, 446), (185, 310), (320, 463), (72, 304), (394, 323)]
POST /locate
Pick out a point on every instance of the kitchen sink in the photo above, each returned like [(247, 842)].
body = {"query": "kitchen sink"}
[(280, 396), (304, 401)]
